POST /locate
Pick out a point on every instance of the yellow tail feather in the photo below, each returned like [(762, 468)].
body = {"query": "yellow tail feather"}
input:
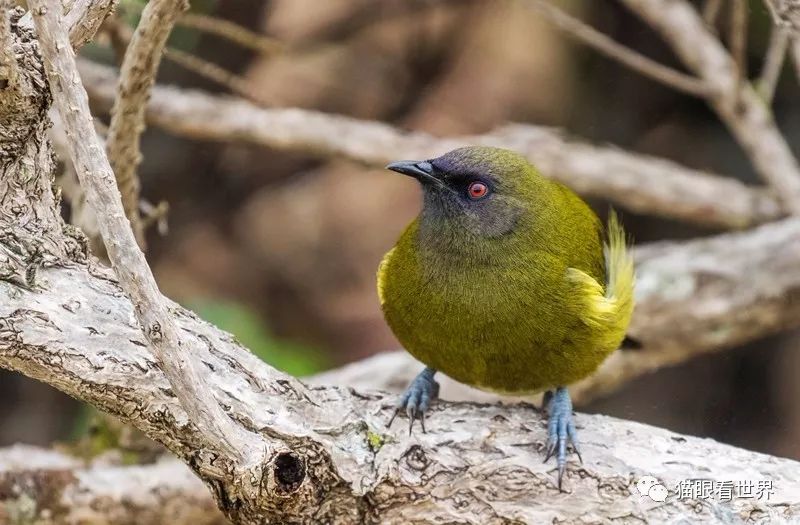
[(609, 308)]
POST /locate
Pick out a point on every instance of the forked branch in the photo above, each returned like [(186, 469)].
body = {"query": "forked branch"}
[(97, 180)]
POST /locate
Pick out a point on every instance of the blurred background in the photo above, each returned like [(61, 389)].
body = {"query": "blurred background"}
[(281, 249)]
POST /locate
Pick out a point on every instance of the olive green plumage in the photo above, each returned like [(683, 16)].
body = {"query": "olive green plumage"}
[(515, 291)]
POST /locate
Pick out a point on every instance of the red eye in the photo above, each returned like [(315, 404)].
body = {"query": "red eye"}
[(477, 190)]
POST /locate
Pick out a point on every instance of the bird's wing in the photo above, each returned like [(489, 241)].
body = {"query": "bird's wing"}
[(608, 307), (382, 275)]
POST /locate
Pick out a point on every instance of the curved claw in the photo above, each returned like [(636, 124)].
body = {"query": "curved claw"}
[(560, 429), (417, 398)]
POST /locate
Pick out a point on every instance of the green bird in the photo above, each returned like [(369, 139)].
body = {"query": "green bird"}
[(506, 281)]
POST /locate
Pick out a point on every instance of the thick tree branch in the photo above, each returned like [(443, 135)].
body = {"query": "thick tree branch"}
[(32, 233), (137, 76), (40, 486), (638, 182), (736, 103), (476, 464), (97, 180)]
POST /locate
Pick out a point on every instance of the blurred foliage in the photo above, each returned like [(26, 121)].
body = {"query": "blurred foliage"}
[(95, 433), (291, 357)]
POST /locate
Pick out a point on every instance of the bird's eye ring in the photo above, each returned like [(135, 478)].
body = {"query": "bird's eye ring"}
[(477, 190)]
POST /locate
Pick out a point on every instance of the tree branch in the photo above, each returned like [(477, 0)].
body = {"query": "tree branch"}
[(97, 180), (622, 54), (773, 63), (638, 182), (711, 10), (211, 71), (339, 464), (231, 31), (786, 13), (85, 17), (40, 486), (8, 62), (738, 106), (138, 74), (796, 56), (737, 37)]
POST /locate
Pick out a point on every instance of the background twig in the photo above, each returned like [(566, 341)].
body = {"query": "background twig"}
[(737, 105), (213, 72), (622, 54), (231, 31), (138, 73), (711, 10), (638, 182), (773, 63), (737, 37), (796, 56)]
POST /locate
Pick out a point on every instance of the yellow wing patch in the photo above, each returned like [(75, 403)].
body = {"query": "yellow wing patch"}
[(382, 276), (609, 308)]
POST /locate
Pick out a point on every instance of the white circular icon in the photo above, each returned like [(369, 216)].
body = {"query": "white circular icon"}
[(652, 488), (645, 483), (658, 492)]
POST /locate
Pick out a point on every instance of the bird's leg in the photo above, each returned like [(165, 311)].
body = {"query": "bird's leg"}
[(560, 428), (417, 398)]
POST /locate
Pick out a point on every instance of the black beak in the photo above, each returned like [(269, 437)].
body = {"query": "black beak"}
[(421, 170)]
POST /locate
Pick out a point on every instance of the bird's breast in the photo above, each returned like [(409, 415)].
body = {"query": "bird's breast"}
[(499, 326)]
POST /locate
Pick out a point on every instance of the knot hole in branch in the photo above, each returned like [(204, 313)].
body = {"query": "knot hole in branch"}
[(289, 471)]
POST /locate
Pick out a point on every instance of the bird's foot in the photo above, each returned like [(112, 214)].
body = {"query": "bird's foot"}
[(560, 428), (417, 398)]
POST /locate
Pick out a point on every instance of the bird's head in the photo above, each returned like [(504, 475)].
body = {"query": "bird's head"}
[(476, 191)]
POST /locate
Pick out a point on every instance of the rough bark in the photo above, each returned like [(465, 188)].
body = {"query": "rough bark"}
[(786, 13), (44, 487), (338, 463), (32, 234), (638, 182)]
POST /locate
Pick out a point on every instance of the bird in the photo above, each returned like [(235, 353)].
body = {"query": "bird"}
[(506, 281)]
